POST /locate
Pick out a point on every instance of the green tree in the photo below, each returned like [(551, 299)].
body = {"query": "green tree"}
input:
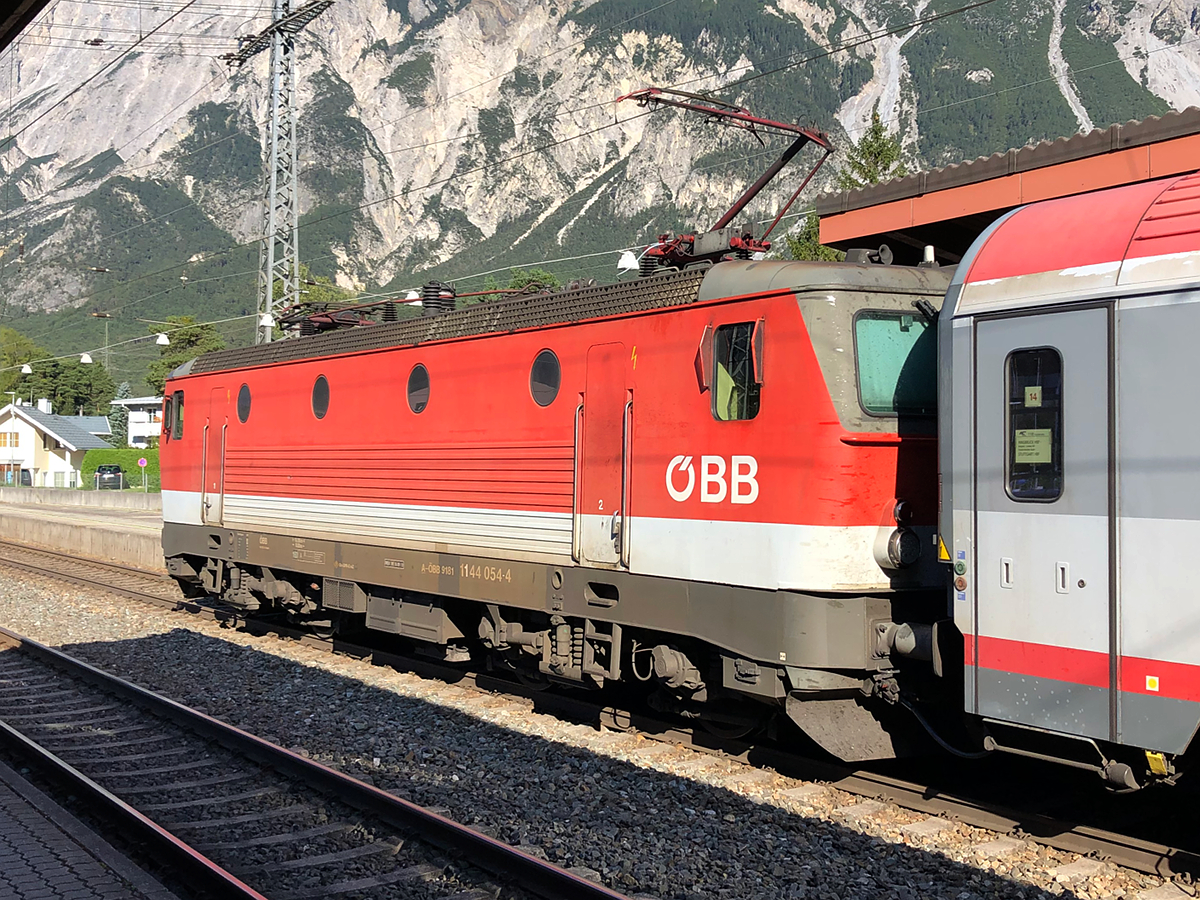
[(70, 386), (189, 339), (874, 158), (316, 289), (118, 419), (806, 244), (15, 351), (518, 279)]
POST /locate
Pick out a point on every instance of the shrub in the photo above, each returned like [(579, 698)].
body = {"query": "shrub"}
[(127, 458)]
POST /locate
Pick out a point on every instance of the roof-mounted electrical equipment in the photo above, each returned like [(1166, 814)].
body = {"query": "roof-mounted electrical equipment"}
[(723, 241)]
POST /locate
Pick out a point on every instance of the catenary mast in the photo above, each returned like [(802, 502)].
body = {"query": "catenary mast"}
[(279, 252)]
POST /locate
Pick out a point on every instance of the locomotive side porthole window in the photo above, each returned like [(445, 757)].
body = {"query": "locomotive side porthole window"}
[(244, 403), (735, 391), (320, 397), (418, 388), (544, 378), (895, 354), (1034, 429)]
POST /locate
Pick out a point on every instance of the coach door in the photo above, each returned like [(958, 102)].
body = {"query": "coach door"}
[(1044, 521), (215, 429), (600, 511)]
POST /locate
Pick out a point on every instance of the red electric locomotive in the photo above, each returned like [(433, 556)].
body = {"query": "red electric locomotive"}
[(721, 479)]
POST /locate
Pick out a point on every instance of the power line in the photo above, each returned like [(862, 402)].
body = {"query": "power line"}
[(847, 45), (434, 183), (75, 90), (138, 339)]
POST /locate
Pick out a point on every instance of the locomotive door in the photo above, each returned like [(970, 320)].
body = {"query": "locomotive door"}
[(215, 428), (1045, 642), (600, 516)]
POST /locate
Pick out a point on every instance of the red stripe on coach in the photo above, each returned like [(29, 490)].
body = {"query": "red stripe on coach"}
[(1179, 681)]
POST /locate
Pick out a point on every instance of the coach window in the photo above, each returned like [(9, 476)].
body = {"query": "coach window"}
[(1034, 432), (243, 407), (736, 388), (320, 397), (177, 418), (418, 388), (544, 378)]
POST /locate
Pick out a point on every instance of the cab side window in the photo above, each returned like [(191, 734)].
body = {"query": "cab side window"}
[(177, 410), (737, 354), (1034, 428)]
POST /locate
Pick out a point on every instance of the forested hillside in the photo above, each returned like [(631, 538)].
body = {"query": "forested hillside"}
[(457, 138)]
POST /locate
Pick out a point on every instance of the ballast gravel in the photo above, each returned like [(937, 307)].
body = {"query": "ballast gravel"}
[(645, 818)]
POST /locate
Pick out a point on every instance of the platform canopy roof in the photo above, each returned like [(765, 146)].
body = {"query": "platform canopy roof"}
[(951, 206), (16, 17)]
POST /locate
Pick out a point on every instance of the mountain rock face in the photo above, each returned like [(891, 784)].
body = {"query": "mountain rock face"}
[(453, 137)]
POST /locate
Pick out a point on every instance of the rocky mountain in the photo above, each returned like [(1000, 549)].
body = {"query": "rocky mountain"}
[(454, 137)]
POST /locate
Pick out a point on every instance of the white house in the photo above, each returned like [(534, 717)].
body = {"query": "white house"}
[(145, 420), (40, 449)]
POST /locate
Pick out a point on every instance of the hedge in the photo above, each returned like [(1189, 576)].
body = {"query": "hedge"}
[(127, 458)]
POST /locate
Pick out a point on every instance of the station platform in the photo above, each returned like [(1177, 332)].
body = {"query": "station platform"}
[(126, 535), (47, 853)]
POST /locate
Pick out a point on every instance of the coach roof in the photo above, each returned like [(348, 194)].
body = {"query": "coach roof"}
[(1056, 251)]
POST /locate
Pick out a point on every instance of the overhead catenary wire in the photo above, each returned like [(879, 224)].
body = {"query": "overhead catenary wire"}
[(847, 45), (75, 90), (139, 339), (559, 104)]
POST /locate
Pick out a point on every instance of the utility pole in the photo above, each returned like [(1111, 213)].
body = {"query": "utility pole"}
[(105, 317), (279, 253)]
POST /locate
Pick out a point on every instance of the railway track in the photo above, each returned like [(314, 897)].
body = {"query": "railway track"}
[(1061, 831), (236, 815)]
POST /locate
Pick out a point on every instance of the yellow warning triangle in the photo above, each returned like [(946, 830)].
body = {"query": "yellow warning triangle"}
[(942, 554)]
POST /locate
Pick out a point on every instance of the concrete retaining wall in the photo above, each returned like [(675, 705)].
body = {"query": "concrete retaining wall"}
[(18, 496), (141, 550)]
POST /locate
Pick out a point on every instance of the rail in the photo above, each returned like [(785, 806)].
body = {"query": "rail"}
[(525, 871), (1146, 856)]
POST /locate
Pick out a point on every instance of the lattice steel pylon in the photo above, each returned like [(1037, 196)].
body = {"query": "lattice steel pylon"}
[(279, 252)]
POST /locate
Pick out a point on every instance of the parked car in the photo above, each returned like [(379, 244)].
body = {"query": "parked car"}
[(109, 478)]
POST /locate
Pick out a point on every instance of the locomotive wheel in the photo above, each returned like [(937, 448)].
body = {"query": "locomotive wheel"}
[(729, 732), (323, 628), (533, 682), (730, 726)]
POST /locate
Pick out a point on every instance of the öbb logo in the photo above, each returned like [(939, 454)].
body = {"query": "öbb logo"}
[(742, 486)]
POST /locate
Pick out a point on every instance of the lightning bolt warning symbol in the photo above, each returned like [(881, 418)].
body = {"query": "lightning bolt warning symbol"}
[(633, 356)]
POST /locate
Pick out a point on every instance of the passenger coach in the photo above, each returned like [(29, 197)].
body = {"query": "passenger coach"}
[(1071, 489)]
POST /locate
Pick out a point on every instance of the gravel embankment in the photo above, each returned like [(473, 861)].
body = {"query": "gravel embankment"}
[(646, 818)]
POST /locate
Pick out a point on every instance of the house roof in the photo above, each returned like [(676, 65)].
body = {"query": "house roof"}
[(61, 428), (950, 206), (91, 424)]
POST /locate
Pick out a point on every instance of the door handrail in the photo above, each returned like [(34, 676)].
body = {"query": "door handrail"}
[(204, 504), (626, 462), (224, 432), (576, 524)]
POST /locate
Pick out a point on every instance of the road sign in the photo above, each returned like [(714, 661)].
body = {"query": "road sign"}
[(142, 462)]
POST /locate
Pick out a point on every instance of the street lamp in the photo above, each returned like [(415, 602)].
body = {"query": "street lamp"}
[(162, 340), (85, 358)]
